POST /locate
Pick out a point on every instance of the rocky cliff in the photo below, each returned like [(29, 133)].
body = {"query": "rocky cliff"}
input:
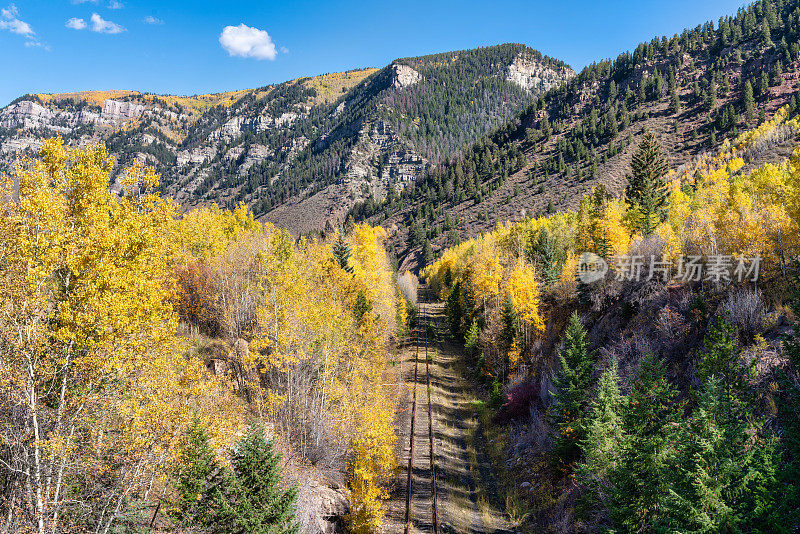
[(300, 153)]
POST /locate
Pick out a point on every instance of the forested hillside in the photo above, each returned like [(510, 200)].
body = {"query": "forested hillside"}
[(155, 366), (660, 393), (692, 90), (300, 153)]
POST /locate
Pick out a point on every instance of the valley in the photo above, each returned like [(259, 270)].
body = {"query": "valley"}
[(471, 291)]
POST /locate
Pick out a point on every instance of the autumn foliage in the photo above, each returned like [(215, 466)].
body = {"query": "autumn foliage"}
[(99, 380)]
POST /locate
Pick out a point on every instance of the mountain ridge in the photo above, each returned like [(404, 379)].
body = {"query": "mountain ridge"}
[(689, 89), (303, 152)]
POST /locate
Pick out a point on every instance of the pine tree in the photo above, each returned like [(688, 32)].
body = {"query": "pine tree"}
[(550, 257), (749, 101), (341, 251), (473, 338), (720, 479), (646, 185), (648, 421), (255, 502), (571, 393), (603, 438), (197, 464)]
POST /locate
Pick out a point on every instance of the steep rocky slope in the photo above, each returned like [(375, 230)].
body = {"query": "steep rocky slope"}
[(300, 153), (688, 89)]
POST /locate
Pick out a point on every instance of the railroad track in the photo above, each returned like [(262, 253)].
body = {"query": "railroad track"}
[(422, 334)]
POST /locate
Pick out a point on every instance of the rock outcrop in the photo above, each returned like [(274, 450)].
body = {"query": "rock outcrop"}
[(26, 114), (403, 75), (301, 153), (321, 509), (533, 75), (114, 110)]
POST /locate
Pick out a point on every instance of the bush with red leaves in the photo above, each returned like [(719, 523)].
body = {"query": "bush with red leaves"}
[(198, 298), (518, 403)]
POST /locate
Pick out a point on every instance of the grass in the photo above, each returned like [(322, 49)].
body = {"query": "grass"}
[(496, 438)]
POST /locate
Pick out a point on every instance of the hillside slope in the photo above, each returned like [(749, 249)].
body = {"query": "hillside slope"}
[(303, 152), (692, 90)]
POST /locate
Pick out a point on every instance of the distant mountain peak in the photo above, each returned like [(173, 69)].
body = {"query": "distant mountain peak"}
[(303, 152)]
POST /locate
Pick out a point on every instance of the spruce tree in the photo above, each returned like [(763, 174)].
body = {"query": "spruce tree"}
[(511, 326), (571, 393), (712, 93), (748, 101), (362, 306), (723, 476), (766, 35), (427, 253), (788, 506), (646, 185), (675, 103), (550, 257), (603, 438), (792, 342), (341, 251), (639, 485), (454, 310), (197, 464), (720, 358), (763, 86), (473, 338), (255, 502)]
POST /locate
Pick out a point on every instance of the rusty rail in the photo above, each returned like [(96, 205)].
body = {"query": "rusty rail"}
[(423, 322)]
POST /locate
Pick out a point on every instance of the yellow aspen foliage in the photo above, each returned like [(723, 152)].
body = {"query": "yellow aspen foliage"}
[(600, 225), (204, 233), (318, 348), (485, 271), (88, 349), (523, 290), (514, 356)]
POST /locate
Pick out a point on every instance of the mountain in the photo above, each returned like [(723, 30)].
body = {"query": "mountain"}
[(303, 152), (692, 90)]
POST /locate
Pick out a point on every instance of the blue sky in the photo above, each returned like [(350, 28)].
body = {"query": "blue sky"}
[(177, 47)]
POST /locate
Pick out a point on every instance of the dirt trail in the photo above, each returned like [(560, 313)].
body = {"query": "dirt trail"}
[(467, 501)]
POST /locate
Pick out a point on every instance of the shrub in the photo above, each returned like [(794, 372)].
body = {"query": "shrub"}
[(744, 308), (198, 301), (518, 403)]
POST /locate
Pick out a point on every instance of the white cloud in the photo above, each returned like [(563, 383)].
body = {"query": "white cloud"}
[(10, 22), (76, 23), (84, 1), (9, 12), (114, 4), (150, 19), (284, 50), (244, 41), (37, 44), (100, 25)]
